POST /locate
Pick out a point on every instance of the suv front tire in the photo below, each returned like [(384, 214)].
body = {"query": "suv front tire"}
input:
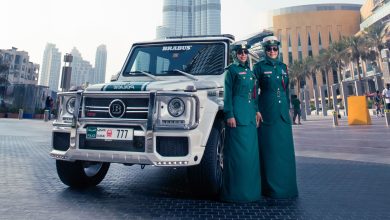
[(81, 174), (206, 178)]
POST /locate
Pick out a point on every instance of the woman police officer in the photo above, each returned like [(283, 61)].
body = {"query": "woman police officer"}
[(276, 146), (241, 175)]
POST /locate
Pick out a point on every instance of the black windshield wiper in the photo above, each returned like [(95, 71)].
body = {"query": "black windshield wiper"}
[(186, 74), (144, 73)]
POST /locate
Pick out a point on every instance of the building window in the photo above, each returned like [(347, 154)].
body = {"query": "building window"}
[(335, 78), (299, 40), (281, 57), (323, 77), (319, 40), (300, 57), (302, 83), (310, 52), (330, 38), (290, 58), (280, 40), (17, 59), (313, 76)]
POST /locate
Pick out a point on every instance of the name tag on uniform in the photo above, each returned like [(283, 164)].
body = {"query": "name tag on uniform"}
[(268, 72), (242, 73)]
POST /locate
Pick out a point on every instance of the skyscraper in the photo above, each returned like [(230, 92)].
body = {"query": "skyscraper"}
[(51, 67), (100, 65), (81, 69), (190, 17)]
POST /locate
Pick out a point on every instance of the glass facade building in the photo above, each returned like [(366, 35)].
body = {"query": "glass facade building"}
[(190, 17), (100, 65), (81, 69), (51, 67)]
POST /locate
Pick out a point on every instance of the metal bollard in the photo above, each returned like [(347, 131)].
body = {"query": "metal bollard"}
[(387, 117), (20, 116), (335, 119), (46, 115)]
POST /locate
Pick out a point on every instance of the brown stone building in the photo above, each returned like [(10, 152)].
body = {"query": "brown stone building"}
[(305, 30)]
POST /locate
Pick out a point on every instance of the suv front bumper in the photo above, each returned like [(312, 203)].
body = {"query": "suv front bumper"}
[(159, 148)]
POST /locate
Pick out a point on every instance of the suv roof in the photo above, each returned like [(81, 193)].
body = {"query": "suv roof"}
[(224, 37)]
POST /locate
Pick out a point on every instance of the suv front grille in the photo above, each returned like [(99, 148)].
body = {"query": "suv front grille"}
[(136, 107)]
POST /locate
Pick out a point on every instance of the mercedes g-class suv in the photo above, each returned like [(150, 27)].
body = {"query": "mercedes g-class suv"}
[(164, 108)]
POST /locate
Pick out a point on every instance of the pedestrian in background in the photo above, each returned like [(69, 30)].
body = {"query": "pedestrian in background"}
[(48, 105), (277, 157), (386, 95), (297, 109), (378, 103), (241, 171)]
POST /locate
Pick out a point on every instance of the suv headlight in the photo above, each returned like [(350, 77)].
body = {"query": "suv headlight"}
[(177, 111), (176, 107), (70, 105), (66, 106)]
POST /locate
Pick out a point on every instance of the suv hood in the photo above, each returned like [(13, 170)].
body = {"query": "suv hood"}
[(169, 85)]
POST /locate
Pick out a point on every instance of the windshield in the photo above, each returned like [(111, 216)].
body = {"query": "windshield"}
[(162, 60)]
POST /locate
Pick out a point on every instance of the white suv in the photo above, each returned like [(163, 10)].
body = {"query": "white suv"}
[(164, 108)]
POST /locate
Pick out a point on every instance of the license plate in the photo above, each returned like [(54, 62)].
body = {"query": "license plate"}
[(110, 133)]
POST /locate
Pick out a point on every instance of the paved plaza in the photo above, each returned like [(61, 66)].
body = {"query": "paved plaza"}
[(343, 173)]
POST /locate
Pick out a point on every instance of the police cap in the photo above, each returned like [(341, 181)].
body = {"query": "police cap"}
[(242, 45), (270, 41)]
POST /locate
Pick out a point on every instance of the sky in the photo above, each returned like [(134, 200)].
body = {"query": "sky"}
[(85, 24)]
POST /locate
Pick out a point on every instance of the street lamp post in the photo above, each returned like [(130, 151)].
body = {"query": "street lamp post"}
[(66, 72)]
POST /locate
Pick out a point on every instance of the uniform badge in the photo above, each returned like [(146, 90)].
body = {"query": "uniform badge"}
[(242, 73), (268, 72)]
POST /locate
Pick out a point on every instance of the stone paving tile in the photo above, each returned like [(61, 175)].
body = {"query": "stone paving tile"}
[(30, 188), (318, 138)]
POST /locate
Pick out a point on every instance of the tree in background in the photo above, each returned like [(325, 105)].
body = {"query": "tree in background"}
[(375, 36)]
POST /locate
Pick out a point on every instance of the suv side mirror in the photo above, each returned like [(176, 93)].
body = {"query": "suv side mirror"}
[(114, 77)]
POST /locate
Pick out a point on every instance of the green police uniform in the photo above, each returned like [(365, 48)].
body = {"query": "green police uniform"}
[(278, 172), (241, 171)]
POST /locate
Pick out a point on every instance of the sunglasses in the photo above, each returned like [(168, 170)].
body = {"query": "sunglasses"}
[(240, 52), (269, 49)]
